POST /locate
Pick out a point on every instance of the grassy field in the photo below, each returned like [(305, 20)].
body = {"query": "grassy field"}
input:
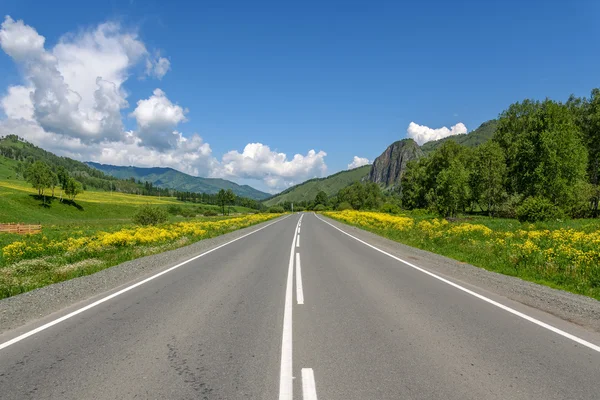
[(563, 255), (94, 232), (19, 203)]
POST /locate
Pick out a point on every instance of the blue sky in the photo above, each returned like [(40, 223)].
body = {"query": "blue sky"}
[(343, 77)]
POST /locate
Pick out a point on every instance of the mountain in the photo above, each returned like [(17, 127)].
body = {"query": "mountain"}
[(331, 185), (18, 153), (471, 139), (173, 179), (388, 168)]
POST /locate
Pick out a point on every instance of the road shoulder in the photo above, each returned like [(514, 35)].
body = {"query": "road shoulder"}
[(580, 310)]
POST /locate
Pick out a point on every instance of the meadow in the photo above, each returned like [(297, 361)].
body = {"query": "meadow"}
[(559, 254), (94, 232)]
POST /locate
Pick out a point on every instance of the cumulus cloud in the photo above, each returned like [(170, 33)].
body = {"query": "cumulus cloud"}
[(76, 86), (258, 161), (72, 98), (156, 119), (422, 134), (157, 66), (17, 103), (358, 162)]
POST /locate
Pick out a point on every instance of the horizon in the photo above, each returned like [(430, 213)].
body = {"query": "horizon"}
[(272, 95)]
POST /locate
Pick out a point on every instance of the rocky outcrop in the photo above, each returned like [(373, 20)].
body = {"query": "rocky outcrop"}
[(388, 168)]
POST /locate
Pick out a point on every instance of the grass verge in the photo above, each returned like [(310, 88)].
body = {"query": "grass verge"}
[(562, 255), (32, 261)]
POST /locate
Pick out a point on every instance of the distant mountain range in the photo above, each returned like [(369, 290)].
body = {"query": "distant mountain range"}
[(386, 170), (173, 179)]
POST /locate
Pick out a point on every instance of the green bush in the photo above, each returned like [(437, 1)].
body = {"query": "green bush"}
[(276, 210), (344, 205), (390, 208), (508, 208), (174, 209), (210, 213), (150, 215), (535, 209), (319, 207)]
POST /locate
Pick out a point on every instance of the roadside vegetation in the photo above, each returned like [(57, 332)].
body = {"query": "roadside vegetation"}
[(56, 254), (564, 255)]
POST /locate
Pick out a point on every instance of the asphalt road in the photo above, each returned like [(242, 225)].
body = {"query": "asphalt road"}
[(229, 325)]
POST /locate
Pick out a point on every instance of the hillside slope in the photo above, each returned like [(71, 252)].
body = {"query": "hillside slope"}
[(472, 139), (173, 179), (308, 190)]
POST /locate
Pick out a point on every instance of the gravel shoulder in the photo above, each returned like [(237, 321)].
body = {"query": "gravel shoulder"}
[(581, 310), (26, 308)]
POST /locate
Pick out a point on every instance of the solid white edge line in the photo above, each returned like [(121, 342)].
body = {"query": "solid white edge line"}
[(481, 297), (286, 387), (127, 289), (299, 291), (309, 389)]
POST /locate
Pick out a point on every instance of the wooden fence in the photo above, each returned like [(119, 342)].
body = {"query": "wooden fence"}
[(21, 229)]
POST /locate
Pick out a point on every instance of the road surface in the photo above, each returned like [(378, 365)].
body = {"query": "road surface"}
[(298, 310)]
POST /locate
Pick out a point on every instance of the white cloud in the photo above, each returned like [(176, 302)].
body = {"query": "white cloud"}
[(157, 118), (77, 84), (20, 41), (72, 96), (17, 103), (258, 161), (157, 66), (422, 134), (358, 162)]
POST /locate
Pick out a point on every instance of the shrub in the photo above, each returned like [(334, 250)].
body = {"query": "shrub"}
[(150, 215), (390, 208), (508, 208), (210, 213), (276, 210), (319, 207), (535, 209), (174, 209), (344, 205)]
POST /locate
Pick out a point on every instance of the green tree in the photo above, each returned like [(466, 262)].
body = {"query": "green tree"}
[(544, 149), (414, 185), (452, 189), (321, 198), (222, 200), (229, 198), (40, 176), (73, 188), (488, 176)]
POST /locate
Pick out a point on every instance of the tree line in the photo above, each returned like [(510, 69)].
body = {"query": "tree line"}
[(542, 162)]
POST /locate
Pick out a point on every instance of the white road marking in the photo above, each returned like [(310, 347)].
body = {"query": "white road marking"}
[(474, 294), (298, 241), (286, 387), (299, 291), (120, 292), (298, 230), (309, 390)]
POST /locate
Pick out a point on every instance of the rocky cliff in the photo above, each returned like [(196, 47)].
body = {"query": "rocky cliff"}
[(388, 168)]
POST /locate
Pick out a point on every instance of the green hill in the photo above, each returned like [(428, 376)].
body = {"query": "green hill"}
[(471, 139), (17, 154), (172, 179), (308, 190)]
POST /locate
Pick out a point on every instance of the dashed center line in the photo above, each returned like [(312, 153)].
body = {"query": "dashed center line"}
[(299, 291), (309, 389), (298, 241)]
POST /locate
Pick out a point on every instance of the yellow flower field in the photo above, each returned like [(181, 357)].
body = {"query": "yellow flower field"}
[(35, 260), (564, 257)]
